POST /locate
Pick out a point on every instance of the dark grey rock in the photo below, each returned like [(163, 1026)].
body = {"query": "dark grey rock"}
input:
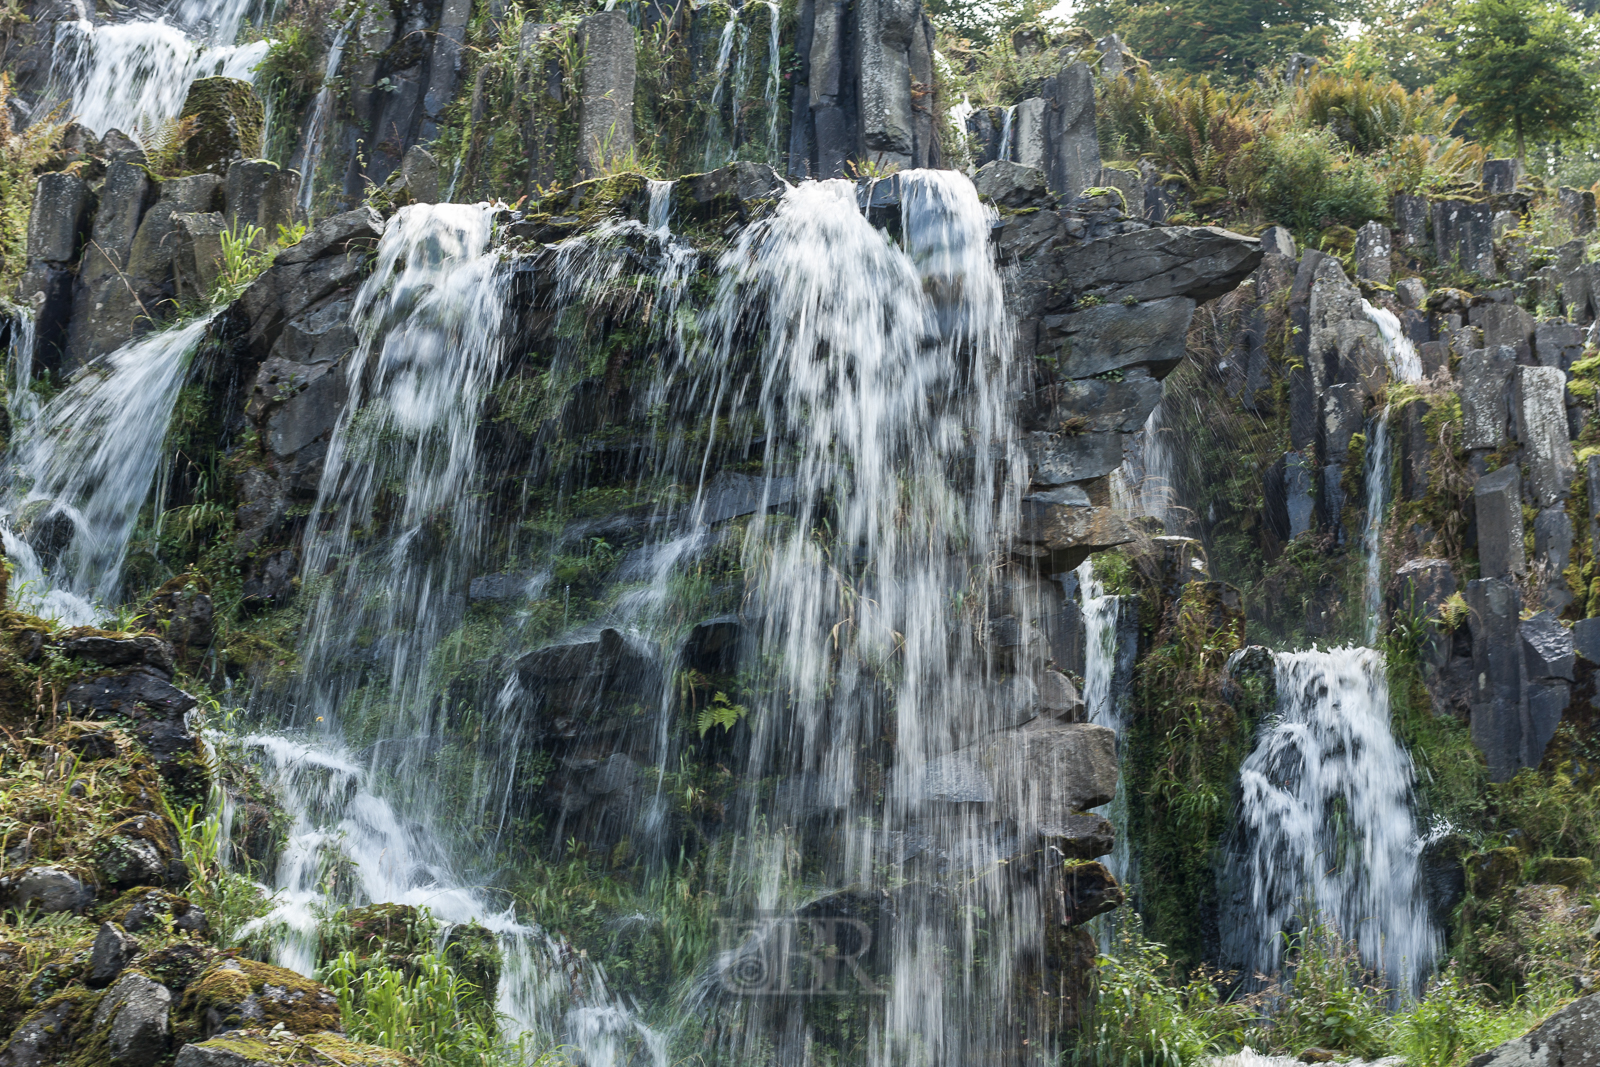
[(1552, 551), (310, 413), (1106, 406), (1557, 344), (1058, 697), (1011, 184), (260, 193), (113, 949), (1199, 262), (1072, 142), (137, 1009), (1498, 501), (1277, 240), (104, 307), (1569, 1038), (1413, 292), (1057, 459), (605, 116), (1129, 184), (361, 228), (39, 1038), (1540, 412), (57, 223), (1030, 134), (1463, 235), (420, 172), (1498, 708), (1341, 419), (1299, 493), (1547, 647), (197, 261), (1115, 336), (1586, 639), (1372, 252), (1411, 220), (1082, 836), (146, 649), (1500, 175), (48, 889), (1505, 324), (1484, 377)]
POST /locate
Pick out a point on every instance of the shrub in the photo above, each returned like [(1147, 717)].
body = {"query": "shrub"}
[(1309, 180), (1371, 113)]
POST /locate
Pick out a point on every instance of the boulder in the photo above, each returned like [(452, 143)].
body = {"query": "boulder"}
[(137, 1009), (113, 948), (1412, 292), (1085, 890), (1114, 336), (1082, 837), (106, 650), (197, 261), (261, 194), (1498, 502), (1557, 344), (1198, 262), (1547, 647), (1045, 772), (1505, 324), (46, 889), (1372, 252), (1498, 725), (1011, 184), (1540, 416), (1411, 220), (1030, 136), (605, 114), (1104, 405), (234, 993), (1569, 1038), (1068, 533), (1500, 176), (1463, 235), (1059, 699), (1072, 142), (57, 223), (1058, 459), (39, 1037), (228, 120), (1484, 377), (1277, 240), (359, 229)]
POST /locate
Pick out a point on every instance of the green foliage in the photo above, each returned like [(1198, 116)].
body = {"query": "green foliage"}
[(1148, 1014), (1237, 37), (1401, 39), (1309, 180), (1371, 113), (1522, 67), (428, 1014), (1331, 1003), (22, 156), (1454, 1021), (720, 712)]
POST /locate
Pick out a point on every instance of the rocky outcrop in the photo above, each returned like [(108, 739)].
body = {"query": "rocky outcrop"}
[(1569, 1038)]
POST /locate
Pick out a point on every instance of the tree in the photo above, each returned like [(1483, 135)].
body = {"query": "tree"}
[(1519, 66), (1235, 37)]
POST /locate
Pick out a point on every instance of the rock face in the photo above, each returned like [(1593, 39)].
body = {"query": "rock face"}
[(1569, 1038), (137, 1010), (605, 123)]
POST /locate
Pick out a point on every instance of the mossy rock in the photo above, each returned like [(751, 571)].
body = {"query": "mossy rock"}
[(388, 935), (234, 993), (474, 952), (623, 195), (1490, 872), (1575, 872), (227, 119), (249, 1048)]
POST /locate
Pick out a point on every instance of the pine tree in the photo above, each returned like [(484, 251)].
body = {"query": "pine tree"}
[(1519, 65)]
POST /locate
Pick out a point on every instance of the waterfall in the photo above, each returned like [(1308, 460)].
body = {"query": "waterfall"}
[(1404, 366), (1107, 673), (660, 212), (1377, 484), (774, 80), (1327, 824), (714, 111), (1006, 147), (82, 467), (21, 404), (132, 76), (316, 125), (432, 335), (886, 371)]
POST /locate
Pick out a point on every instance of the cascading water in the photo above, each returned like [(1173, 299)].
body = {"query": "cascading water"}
[(714, 111), (1006, 145), (134, 75), (81, 468), (317, 124), (1326, 826), (881, 383), (1405, 366), (1107, 670), (430, 320), (774, 78)]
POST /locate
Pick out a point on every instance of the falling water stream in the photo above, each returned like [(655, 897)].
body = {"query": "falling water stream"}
[(133, 75)]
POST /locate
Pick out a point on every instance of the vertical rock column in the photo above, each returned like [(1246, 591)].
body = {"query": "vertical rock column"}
[(55, 232), (605, 122)]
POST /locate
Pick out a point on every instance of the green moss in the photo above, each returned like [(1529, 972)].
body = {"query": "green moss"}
[(300, 1004), (227, 119)]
